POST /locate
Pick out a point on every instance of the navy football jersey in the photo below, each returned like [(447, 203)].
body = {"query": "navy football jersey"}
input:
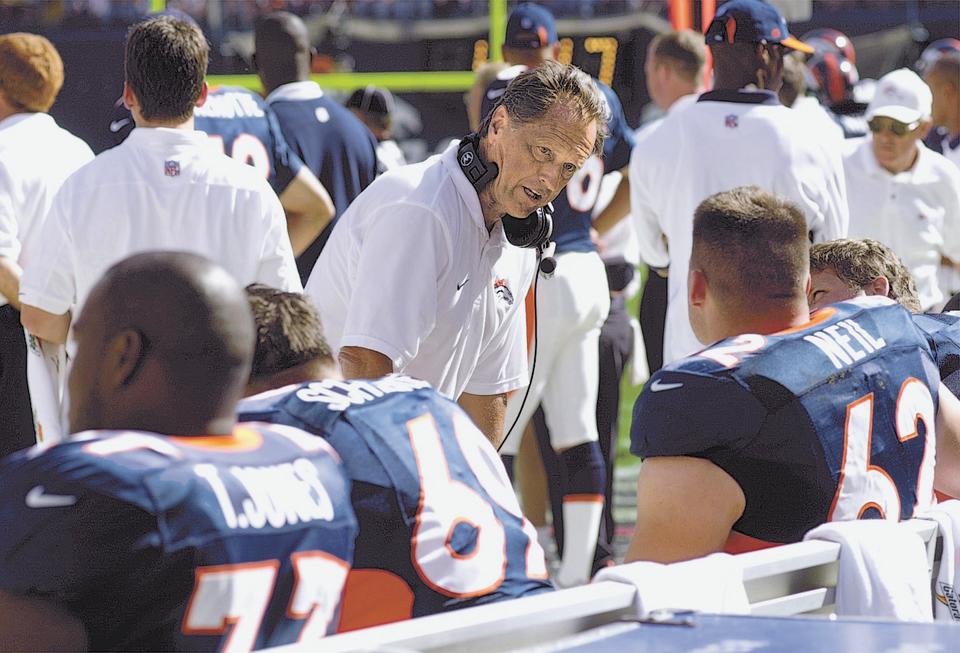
[(831, 420), (334, 144), (440, 526), (573, 207), (218, 543), (244, 128), (943, 336)]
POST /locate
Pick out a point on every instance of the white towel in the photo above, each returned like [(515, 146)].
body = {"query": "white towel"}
[(712, 584), (883, 569), (46, 368), (947, 585)]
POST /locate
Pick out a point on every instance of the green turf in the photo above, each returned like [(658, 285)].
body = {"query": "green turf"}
[(628, 395)]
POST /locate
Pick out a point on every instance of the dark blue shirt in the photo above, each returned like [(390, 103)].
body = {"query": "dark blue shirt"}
[(573, 207), (332, 142), (437, 514), (146, 538), (796, 418), (943, 336)]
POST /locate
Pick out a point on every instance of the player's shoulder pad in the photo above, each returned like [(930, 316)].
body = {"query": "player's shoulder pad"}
[(316, 405), (690, 407)]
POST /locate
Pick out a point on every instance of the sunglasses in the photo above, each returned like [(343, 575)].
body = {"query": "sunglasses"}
[(880, 124)]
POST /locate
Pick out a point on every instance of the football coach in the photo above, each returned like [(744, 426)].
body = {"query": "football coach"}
[(427, 270)]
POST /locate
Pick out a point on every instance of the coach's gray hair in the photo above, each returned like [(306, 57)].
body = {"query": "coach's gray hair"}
[(534, 92)]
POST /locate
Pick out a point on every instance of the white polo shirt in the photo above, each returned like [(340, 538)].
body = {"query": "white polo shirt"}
[(36, 157), (916, 213), (161, 189), (410, 271), (724, 140)]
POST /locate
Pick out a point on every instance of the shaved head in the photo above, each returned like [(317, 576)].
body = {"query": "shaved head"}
[(165, 342), (283, 51)]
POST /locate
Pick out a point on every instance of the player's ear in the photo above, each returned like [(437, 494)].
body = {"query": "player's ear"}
[(129, 98), (204, 90), (498, 121), (878, 286), (697, 287), (124, 355), (808, 286)]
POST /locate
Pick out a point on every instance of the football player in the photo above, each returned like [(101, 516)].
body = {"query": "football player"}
[(787, 421), (162, 525), (843, 269), (440, 526)]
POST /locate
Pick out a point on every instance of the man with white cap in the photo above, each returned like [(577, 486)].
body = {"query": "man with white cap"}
[(901, 193)]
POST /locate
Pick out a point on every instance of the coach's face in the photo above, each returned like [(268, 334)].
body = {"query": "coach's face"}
[(537, 158)]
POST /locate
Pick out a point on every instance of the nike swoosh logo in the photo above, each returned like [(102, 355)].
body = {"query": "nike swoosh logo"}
[(660, 386), (462, 283), (117, 125), (37, 498)]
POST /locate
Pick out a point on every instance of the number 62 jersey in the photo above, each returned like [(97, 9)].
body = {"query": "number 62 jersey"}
[(831, 420), (440, 525)]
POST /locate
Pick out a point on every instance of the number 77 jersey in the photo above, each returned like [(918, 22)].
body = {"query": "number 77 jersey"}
[(440, 525), (831, 420)]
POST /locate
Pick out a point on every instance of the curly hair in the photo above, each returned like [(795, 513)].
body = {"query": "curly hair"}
[(858, 262)]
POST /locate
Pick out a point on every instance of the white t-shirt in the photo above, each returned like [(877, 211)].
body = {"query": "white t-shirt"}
[(410, 271), (916, 213), (36, 157), (161, 189), (724, 140)]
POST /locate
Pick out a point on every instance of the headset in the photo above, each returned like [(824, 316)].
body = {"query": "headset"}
[(532, 232)]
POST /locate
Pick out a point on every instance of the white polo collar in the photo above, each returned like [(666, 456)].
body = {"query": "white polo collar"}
[(296, 91)]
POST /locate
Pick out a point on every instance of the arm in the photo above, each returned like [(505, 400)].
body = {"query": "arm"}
[(308, 207), (363, 363), (10, 274), (618, 208), (35, 624), (488, 413), (947, 471), (46, 326), (686, 508)]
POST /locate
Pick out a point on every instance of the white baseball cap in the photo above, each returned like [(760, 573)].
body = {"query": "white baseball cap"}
[(901, 95)]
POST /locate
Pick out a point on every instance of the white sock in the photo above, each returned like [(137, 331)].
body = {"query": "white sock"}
[(581, 525)]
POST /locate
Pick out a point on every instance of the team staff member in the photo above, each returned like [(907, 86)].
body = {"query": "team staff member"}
[(163, 188), (403, 567), (571, 308), (773, 430), (673, 71), (334, 144), (690, 153), (419, 276), (187, 532), (901, 193), (36, 156), (943, 78)]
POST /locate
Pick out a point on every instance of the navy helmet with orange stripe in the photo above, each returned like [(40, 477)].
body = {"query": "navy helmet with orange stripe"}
[(752, 21), (831, 76)]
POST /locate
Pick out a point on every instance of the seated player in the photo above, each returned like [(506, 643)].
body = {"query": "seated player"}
[(843, 269), (440, 526), (786, 422), (162, 525)]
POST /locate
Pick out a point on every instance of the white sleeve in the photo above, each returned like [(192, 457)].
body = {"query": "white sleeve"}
[(653, 249), (502, 365), (49, 278), (9, 228), (829, 196), (277, 267), (393, 303), (951, 217)]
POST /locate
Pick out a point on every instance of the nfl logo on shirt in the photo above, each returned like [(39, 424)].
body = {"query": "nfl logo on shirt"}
[(731, 121), (171, 168)]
